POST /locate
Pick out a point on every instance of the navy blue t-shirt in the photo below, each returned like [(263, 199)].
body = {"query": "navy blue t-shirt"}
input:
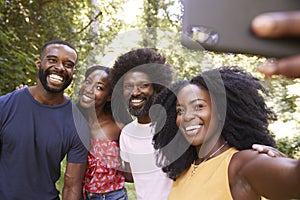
[(34, 140)]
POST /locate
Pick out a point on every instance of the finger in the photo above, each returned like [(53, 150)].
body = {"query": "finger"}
[(271, 153), (258, 148), (288, 67), (19, 87), (269, 68), (277, 24), (265, 149)]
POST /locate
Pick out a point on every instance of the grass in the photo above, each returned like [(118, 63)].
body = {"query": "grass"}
[(130, 191)]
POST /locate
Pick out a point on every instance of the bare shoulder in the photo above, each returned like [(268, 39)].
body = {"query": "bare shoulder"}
[(244, 164), (240, 165), (245, 161), (245, 157)]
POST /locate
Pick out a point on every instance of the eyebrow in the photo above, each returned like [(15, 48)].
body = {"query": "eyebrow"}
[(137, 82), (193, 101), (198, 99), (100, 83), (50, 56)]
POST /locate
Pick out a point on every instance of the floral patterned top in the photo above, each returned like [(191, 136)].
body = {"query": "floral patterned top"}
[(104, 162)]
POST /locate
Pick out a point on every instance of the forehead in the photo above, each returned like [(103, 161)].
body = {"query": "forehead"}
[(60, 50), (135, 77), (98, 75), (192, 92)]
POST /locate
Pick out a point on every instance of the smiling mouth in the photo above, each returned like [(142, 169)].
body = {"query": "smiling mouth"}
[(136, 102), (56, 78), (87, 98), (191, 128)]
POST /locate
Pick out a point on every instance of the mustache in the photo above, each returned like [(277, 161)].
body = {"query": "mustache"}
[(141, 96), (129, 99), (53, 71)]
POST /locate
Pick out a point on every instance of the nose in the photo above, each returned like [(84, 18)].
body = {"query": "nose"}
[(135, 91), (89, 88), (60, 66), (188, 116)]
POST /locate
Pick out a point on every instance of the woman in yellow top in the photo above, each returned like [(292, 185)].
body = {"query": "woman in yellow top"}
[(204, 132)]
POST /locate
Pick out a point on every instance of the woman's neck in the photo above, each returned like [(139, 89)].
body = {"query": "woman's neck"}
[(209, 150)]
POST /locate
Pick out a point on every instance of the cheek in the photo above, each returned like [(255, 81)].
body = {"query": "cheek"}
[(126, 93), (101, 96), (205, 115), (208, 119), (71, 72), (178, 121), (81, 90), (212, 124)]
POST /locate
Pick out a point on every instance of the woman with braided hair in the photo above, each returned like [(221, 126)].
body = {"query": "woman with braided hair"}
[(204, 142)]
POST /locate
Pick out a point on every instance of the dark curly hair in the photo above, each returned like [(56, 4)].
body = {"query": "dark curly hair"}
[(245, 120), (144, 60), (89, 71)]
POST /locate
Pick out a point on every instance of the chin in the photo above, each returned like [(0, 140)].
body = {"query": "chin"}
[(194, 140)]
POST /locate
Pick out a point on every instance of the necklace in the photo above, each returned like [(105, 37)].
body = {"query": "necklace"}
[(195, 167)]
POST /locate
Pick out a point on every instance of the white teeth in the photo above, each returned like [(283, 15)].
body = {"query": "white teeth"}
[(192, 127), (87, 97), (136, 100), (55, 77)]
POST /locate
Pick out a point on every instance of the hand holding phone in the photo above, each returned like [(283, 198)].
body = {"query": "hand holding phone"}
[(277, 25)]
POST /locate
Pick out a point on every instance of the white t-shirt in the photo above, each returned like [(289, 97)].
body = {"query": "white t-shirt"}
[(136, 148)]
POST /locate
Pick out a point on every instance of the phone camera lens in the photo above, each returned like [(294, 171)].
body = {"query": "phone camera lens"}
[(204, 35)]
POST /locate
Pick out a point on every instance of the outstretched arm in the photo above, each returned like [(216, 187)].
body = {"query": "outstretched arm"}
[(274, 178)]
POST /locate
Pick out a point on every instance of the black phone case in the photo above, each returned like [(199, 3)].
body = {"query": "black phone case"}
[(224, 26)]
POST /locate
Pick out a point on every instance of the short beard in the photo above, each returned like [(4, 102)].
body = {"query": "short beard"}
[(43, 78), (139, 112)]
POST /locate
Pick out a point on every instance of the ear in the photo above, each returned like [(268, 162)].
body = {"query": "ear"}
[(38, 63)]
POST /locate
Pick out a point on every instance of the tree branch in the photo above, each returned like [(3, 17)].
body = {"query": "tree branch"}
[(85, 27)]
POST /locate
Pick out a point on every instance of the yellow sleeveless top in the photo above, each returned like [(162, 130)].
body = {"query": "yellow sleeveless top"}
[(210, 181)]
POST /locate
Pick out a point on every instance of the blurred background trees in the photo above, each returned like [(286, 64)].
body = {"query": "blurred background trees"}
[(26, 25)]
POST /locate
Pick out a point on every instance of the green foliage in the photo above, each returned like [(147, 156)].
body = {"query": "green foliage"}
[(12, 72), (289, 146), (130, 191), (60, 183), (26, 25), (284, 101)]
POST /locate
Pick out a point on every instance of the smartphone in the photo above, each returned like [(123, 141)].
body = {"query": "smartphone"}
[(225, 26)]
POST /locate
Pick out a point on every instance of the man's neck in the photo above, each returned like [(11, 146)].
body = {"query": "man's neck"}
[(44, 97), (144, 119)]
